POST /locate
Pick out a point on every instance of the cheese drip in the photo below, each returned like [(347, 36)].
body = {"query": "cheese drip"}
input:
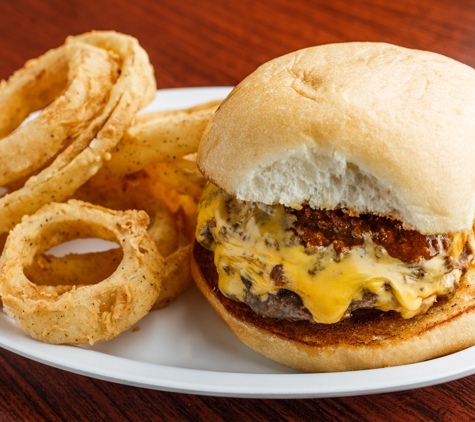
[(250, 239)]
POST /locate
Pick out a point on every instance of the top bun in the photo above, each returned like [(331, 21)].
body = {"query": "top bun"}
[(371, 127)]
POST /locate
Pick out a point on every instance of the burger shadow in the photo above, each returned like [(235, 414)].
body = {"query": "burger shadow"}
[(213, 346)]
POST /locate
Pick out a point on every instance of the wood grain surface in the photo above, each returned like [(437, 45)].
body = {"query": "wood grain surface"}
[(211, 43)]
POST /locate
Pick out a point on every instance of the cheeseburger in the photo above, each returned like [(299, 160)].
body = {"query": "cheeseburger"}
[(335, 232)]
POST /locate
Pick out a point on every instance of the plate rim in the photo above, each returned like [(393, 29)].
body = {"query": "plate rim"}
[(232, 384)]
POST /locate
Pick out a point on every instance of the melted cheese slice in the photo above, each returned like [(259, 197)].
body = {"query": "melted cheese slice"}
[(249, 240)]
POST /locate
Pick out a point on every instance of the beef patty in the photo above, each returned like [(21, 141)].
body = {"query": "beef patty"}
[(323, 228)]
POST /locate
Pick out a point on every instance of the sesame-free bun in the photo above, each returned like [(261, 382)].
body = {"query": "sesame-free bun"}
[(371, 127), (368, 340)]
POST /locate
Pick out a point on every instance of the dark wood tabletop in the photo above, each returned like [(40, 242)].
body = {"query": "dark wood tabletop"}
[(216, 43)]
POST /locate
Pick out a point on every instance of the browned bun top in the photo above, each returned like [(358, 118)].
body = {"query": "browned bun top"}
[(370, 339), (371, 127)]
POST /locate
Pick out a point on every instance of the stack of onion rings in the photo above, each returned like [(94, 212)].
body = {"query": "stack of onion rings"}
[(88, 143), (83, 157)]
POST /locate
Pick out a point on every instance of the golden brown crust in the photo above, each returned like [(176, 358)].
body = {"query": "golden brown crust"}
[(368, 340)]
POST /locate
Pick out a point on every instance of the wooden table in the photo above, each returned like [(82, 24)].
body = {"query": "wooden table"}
[(210, 43)]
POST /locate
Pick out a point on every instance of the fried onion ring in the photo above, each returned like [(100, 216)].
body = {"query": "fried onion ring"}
[(176, 278), (158, 137), (182, 175), (82, 159), (90, 73), (91, 313), (183, 207), (130, 192), (133, 192)]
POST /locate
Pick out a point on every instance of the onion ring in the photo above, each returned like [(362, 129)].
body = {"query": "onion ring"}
[(130, 192), (160, 136), (182, 175), (176, 277), (134, 192), (183, 207), (87, 314), (90, 73), (83, 158)]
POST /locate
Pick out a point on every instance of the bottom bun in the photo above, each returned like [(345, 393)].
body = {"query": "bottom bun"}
[(369, 339)]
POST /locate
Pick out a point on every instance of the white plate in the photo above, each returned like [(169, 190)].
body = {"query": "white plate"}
[(186, 348)]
